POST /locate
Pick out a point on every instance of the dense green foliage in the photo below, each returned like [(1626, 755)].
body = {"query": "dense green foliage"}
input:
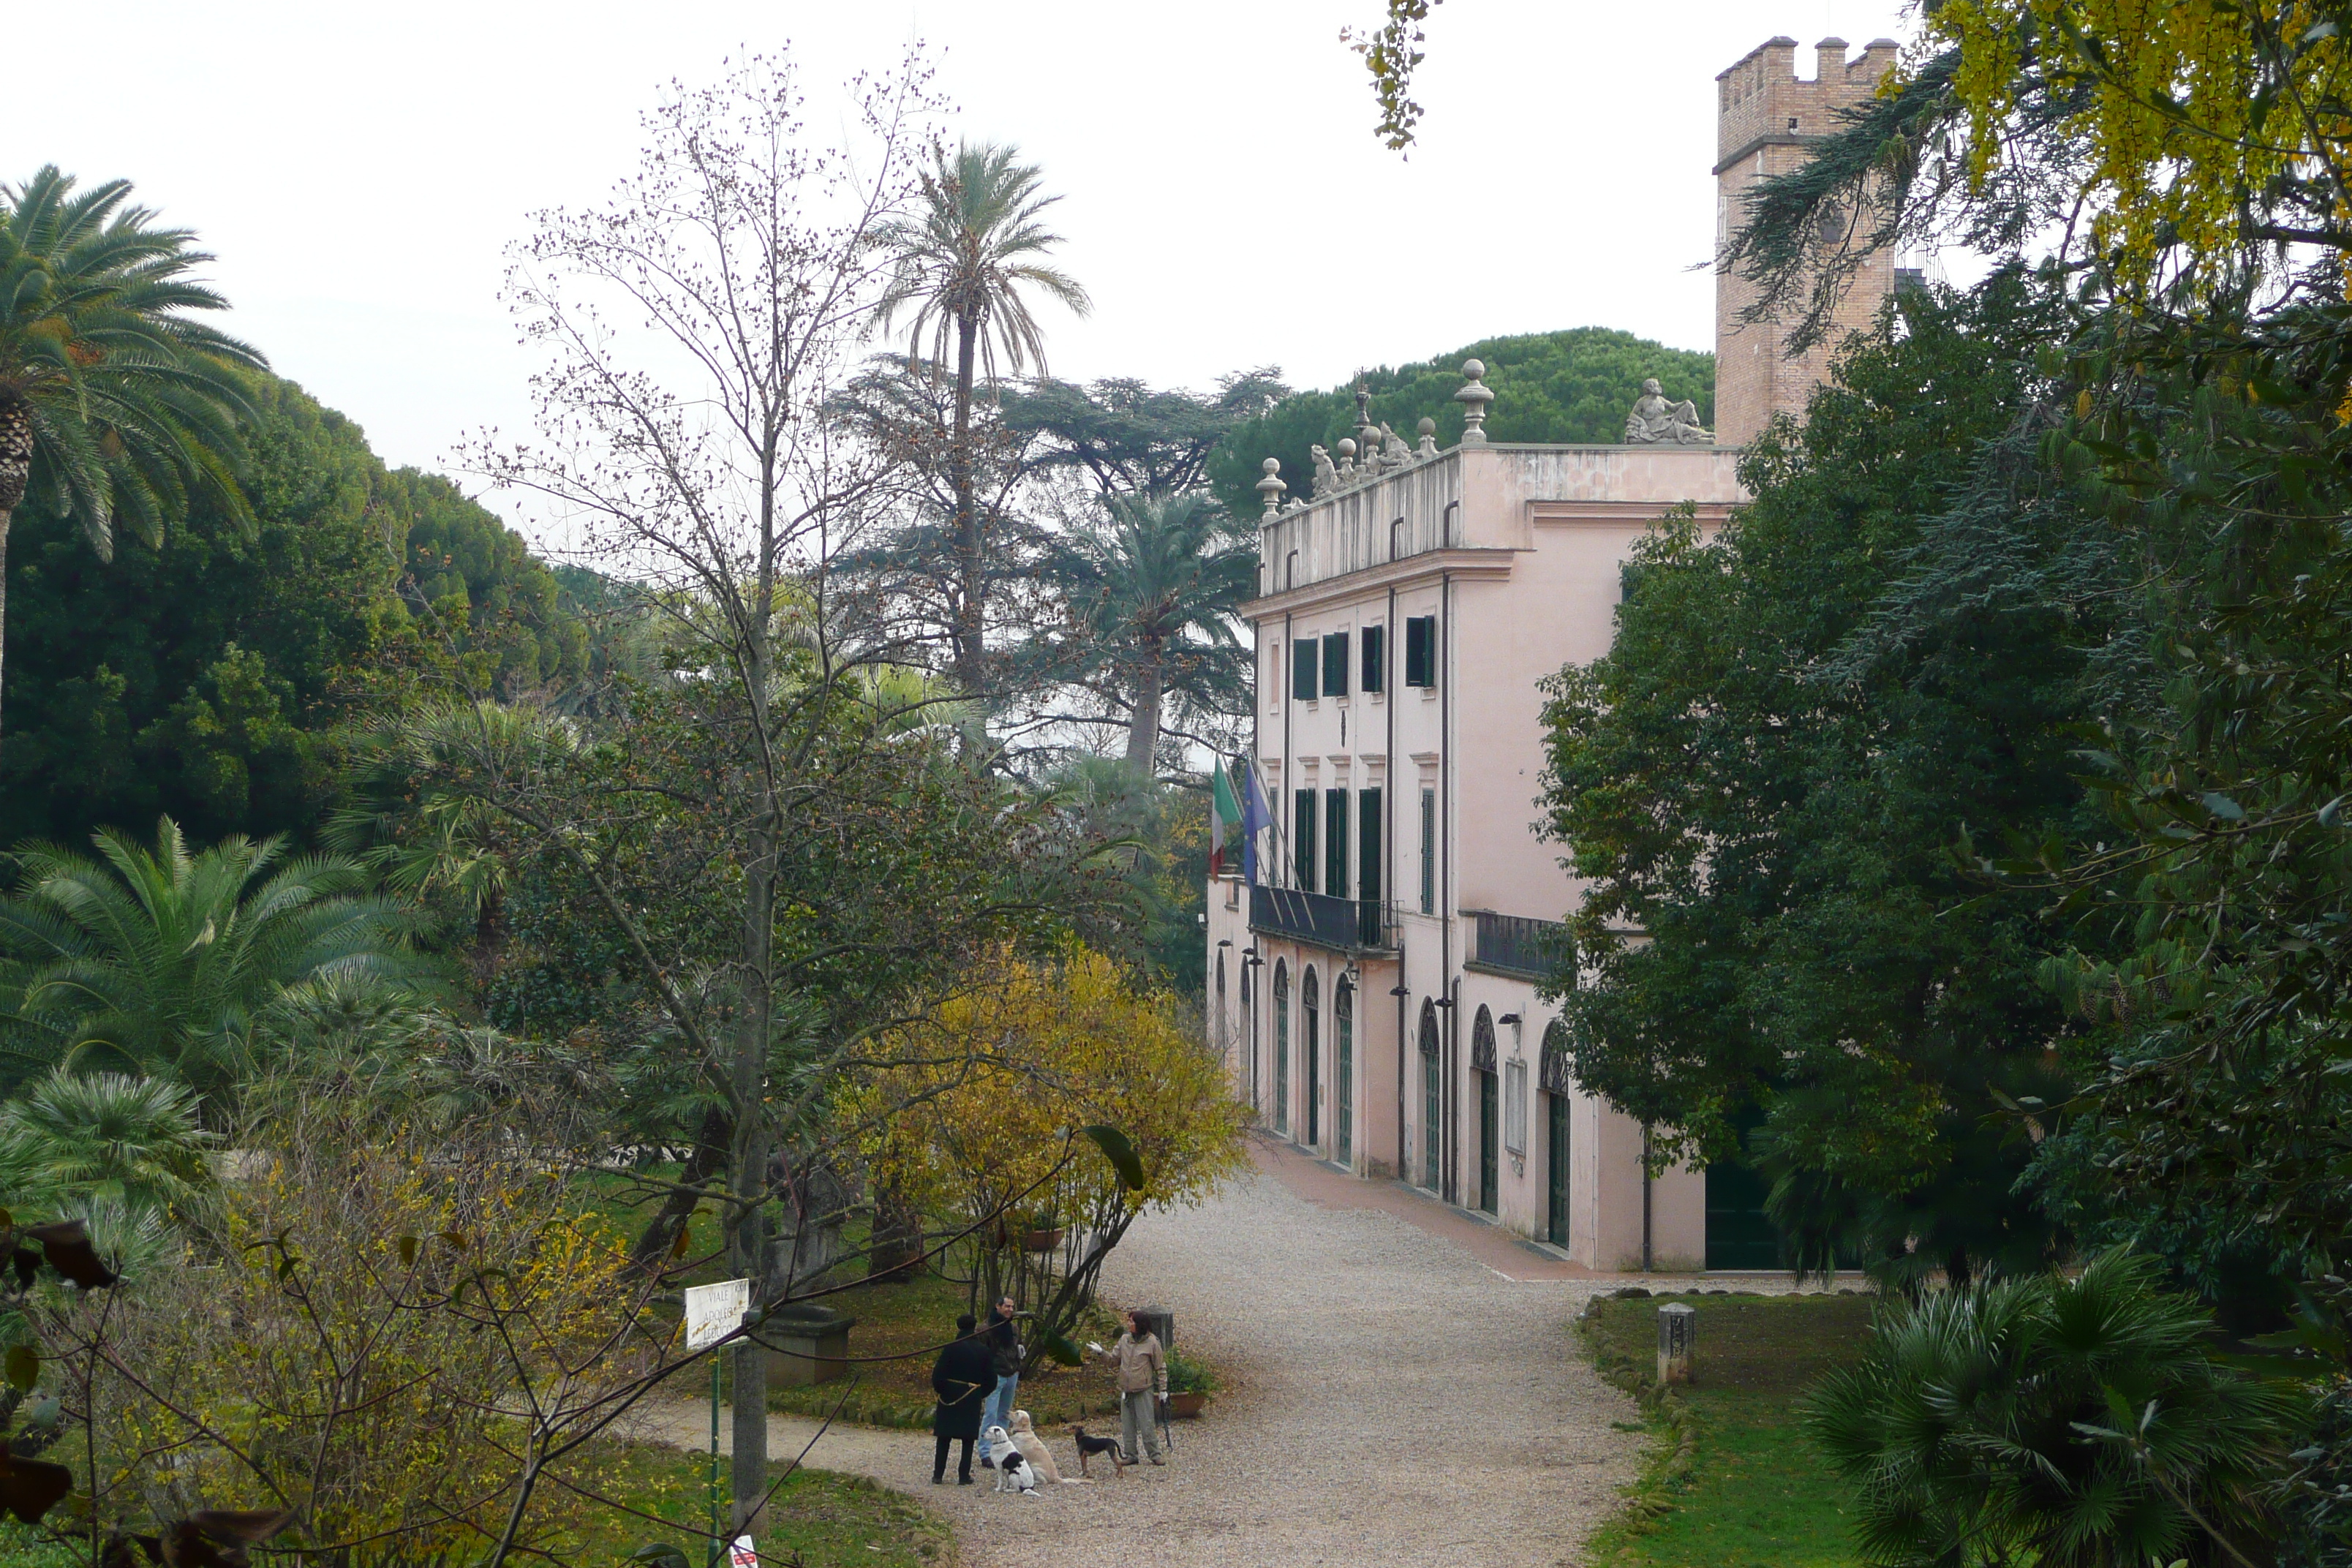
[(2067, 1422), (166, 961), (1780, 824), (1573, 385), (203, 678)]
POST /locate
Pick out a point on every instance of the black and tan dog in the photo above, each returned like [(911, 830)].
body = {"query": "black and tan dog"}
[(1090, 1447)]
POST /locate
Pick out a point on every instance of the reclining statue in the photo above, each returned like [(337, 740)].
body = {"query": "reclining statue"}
[(1655, 421)]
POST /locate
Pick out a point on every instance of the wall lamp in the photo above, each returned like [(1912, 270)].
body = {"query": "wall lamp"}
[(1508, 1018)]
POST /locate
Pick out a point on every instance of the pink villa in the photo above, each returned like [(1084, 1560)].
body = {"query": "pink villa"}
[(1376, 994)]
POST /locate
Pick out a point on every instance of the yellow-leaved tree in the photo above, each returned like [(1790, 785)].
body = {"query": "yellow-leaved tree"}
[(2217, 130), (997, 1087)]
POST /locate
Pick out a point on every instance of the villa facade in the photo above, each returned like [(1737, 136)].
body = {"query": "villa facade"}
[(1376, 992)]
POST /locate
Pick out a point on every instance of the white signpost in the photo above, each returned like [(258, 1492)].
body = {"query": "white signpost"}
[(713, 1312)]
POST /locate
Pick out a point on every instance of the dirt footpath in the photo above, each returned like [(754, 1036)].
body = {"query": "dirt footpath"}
[(1389, 1399)]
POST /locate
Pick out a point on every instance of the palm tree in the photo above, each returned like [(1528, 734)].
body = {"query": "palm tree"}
[(1154, 584), (964, 260), (113, 402), (163, 961), (106, 1137)]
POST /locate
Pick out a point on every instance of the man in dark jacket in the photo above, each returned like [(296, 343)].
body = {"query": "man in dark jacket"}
[(1005, 1353), (962, 1377)]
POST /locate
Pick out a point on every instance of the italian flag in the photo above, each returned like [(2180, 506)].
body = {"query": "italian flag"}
[(1224, 814)]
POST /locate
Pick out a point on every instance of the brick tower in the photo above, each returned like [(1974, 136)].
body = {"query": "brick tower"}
[(1767, 118)]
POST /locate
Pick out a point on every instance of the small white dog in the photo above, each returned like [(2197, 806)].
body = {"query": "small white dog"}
[(1013, 1472)]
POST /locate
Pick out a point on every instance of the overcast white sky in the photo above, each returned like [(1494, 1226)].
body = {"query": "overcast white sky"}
[(358, 169)]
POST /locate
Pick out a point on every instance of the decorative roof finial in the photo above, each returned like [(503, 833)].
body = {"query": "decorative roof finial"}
[(1427, 430), (1271, 486), (1474, 397), (1347, 459)]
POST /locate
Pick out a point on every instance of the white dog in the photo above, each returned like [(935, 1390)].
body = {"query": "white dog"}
[(1033, 1448), (1014, 1472)]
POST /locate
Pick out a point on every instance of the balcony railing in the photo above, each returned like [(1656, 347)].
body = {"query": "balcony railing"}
[(1517, 945), (1343, 925)]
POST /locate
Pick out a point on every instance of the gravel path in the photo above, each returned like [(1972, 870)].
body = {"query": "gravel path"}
[(1389, 1399)]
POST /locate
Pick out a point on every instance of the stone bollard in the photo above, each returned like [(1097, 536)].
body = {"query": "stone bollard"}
[(1677, 1344)]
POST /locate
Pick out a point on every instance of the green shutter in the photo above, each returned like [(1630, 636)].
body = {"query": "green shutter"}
[(1421, 651), (1367, 845), (1428, 852), (1335, 843), (1302, 670), (1376, 675), (1335, 665), (1303, 847)]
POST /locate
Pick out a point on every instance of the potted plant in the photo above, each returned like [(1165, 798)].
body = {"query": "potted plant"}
[(1188, 1386), (1043, 1235)]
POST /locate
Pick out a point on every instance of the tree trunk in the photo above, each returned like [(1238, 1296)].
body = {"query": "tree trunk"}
[(747, 1242), (708, 1156), (971, 580), (897, 1244), (15, 472), (1143, 726)]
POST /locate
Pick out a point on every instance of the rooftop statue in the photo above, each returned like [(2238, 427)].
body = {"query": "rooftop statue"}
[(1655, 421), (1327, 476), (1394, 453)]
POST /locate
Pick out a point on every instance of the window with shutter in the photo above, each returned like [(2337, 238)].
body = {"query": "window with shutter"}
[(1302, 840), (1429, 851), (1335, 843), (1367, 845), (1302, 670), (1421, 651), (1335, 665), (1376, 652)]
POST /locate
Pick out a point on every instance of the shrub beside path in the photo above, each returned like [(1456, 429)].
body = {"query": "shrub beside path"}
[(1399, 1388)]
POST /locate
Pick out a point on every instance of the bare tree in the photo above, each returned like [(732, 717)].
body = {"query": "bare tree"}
[(693, 326)]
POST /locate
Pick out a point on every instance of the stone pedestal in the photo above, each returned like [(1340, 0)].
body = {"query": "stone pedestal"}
[(1677, 1344), (806, 1345)]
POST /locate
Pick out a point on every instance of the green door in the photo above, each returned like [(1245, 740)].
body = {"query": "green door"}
[(1281, 1047), (1487, 1174), (1343, 1110), (1432, 1111), (1556, 1161), (1739, 1234)]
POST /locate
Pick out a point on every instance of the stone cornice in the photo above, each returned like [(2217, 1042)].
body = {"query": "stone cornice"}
[(1770, 139), (1472, 563)]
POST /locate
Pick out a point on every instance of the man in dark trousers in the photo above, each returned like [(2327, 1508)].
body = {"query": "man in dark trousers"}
[(961, 1378)]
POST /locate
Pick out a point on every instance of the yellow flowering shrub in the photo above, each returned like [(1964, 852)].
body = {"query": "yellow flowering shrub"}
[(394, 1339), (976, 1116)]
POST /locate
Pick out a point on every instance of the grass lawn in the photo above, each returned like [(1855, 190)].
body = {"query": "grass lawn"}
[(1749, 1492), (830, 1521)]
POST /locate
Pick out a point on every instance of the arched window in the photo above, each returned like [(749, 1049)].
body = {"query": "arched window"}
[(1343, 1078), (1558, 1074), (1433, 1098), (1281, 1046), (1311, 1040), (1482, 1061)]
